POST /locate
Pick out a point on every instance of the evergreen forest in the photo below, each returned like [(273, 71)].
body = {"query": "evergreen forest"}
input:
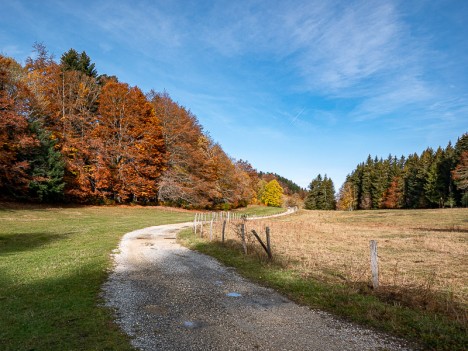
[(432, 179)]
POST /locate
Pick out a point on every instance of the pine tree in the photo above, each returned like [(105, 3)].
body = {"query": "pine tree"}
[(329, 200), (311, 201), (367, 175), (47, 168), (73, 61), (460, 176), (321, 195)]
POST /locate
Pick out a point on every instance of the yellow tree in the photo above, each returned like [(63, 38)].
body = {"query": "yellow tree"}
[(273, 194), (347, 200)]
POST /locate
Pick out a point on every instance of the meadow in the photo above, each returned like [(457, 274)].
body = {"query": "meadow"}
[(322, 258), (53, 262)]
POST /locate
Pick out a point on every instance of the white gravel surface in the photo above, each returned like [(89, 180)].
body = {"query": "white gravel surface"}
[(167, 297)]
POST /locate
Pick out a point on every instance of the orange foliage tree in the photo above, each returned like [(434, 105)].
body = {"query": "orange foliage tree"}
[(133, 150), (16, 139)]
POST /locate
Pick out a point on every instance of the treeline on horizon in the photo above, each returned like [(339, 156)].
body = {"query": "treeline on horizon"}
[(70, 135), (433, 179)]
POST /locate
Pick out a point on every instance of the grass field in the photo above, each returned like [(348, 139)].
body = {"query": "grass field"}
[(321, 258), (52, 264)]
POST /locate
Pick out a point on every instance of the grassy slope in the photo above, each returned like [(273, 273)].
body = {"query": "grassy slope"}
[(432, 330), (52, 264)]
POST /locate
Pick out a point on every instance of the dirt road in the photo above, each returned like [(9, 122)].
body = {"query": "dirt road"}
[(167, 297)]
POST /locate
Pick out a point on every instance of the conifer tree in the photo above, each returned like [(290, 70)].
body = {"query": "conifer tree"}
[(321, 195), (47, 168), (460, 176), (73, 61)]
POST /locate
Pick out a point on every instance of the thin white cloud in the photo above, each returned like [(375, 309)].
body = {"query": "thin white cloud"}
[(402, 92), (342, 46), (138, 25)]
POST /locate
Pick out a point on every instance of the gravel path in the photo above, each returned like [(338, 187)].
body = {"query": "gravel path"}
[(167, 297)]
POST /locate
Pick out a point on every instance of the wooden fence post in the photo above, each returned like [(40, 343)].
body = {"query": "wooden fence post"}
[(195, 224), (224, 229), (268, 242), (261, 243), (374, 261), (244, 244), (211, 230)]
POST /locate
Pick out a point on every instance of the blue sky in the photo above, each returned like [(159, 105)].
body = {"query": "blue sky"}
[(295, 87)]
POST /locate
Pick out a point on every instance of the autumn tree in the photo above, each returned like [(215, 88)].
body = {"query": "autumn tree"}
[(133, 151), (260, 189), (199, 173), (347, 197), (253, 178), (67, 104), (182, 183), (273, 194), (393, 196), (16, 139)]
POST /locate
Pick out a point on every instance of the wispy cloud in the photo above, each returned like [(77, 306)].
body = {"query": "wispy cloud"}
[(339, 46), (393, 96), (139, 25)]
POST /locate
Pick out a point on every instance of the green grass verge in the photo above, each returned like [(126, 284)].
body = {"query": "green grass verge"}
[(432, 331), (53, 262)]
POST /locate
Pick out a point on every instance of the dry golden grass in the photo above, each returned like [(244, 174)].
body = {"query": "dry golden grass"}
[(421, 252)]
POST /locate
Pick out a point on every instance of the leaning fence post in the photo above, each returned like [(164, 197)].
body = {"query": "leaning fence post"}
[(244, 244), (374, 260), (224, 229), (268, 242)]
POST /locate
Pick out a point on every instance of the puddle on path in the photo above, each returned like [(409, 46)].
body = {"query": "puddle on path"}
[(233, 294), (189, 324)]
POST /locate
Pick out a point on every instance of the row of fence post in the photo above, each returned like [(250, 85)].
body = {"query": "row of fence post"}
[(266, 246), (226, 217), (216, 216), (203, 217)]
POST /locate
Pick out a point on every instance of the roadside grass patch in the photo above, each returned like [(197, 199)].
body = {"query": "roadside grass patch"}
[(53, 262)]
